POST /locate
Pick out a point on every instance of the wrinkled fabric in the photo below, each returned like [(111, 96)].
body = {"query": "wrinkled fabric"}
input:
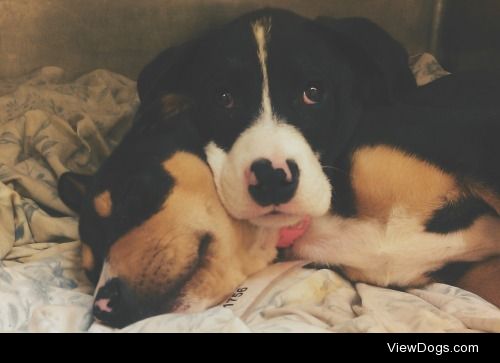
[(47, 127)]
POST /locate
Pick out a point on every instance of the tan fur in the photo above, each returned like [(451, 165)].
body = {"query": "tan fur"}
[(387, 244), (103, 204), (384, 177), (173, 104), (164, 249), (88, 262)]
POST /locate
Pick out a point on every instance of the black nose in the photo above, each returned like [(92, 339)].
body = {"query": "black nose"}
[(107, 307), (117, 305), (273, 186)]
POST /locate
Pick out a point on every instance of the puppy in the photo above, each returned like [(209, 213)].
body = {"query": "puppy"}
[(153, 227), (322, 121)]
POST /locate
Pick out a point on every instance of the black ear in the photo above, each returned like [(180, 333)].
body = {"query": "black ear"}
[(72, 188), (379, 60), (163, 73)]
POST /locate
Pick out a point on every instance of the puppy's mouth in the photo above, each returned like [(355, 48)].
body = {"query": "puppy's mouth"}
[(276, 219), (291, 227), (274, 213)]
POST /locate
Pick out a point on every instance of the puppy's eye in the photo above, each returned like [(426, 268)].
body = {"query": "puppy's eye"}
[(226, 99), (312, 94)]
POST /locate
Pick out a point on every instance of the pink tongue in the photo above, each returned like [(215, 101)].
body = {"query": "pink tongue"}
[(288, 235)]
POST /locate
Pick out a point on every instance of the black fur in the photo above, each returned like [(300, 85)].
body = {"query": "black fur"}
[(458, 215), (453, 122), (134, 176), (370, 96), (354, 61), (71, 187)]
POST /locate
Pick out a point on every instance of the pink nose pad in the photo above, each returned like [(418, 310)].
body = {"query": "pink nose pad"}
[(251, 178), (103, 305)]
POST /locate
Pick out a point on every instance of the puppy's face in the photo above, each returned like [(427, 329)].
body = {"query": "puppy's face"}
[(186, 256), (269, 88), (156, 233)]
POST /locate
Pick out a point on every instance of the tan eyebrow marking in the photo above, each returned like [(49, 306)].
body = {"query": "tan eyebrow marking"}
[(103, 204)]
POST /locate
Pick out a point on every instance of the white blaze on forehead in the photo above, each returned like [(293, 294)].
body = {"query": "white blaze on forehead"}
[(262, 30), (268, 137)]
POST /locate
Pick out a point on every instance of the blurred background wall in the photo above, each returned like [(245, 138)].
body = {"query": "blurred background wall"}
[(122, 35), (470, 34)]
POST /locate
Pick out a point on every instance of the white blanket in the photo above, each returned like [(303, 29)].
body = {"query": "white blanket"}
[(48, 125)]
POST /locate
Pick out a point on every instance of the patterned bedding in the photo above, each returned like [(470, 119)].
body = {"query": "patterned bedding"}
[(49, 125)]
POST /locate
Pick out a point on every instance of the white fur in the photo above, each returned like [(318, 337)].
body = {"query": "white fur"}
[(269, 138), (107, 274), (262, 30), (398, 252)]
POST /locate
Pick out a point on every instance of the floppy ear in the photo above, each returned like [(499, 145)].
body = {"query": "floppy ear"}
[(163, 108), (72, 188), (162, 74), (380, 62)]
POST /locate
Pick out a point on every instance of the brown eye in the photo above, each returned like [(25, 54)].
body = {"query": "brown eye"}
[(226, 99), (312, 95)]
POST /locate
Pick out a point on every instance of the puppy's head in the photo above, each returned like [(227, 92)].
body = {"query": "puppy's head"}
[(279, 97), (154, 230)]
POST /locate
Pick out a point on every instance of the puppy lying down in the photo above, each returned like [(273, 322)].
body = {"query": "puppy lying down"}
[(155, 235), (152, 223)]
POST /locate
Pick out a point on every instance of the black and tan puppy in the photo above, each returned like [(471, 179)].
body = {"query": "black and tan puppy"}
[(322, 120), (153, 227)]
